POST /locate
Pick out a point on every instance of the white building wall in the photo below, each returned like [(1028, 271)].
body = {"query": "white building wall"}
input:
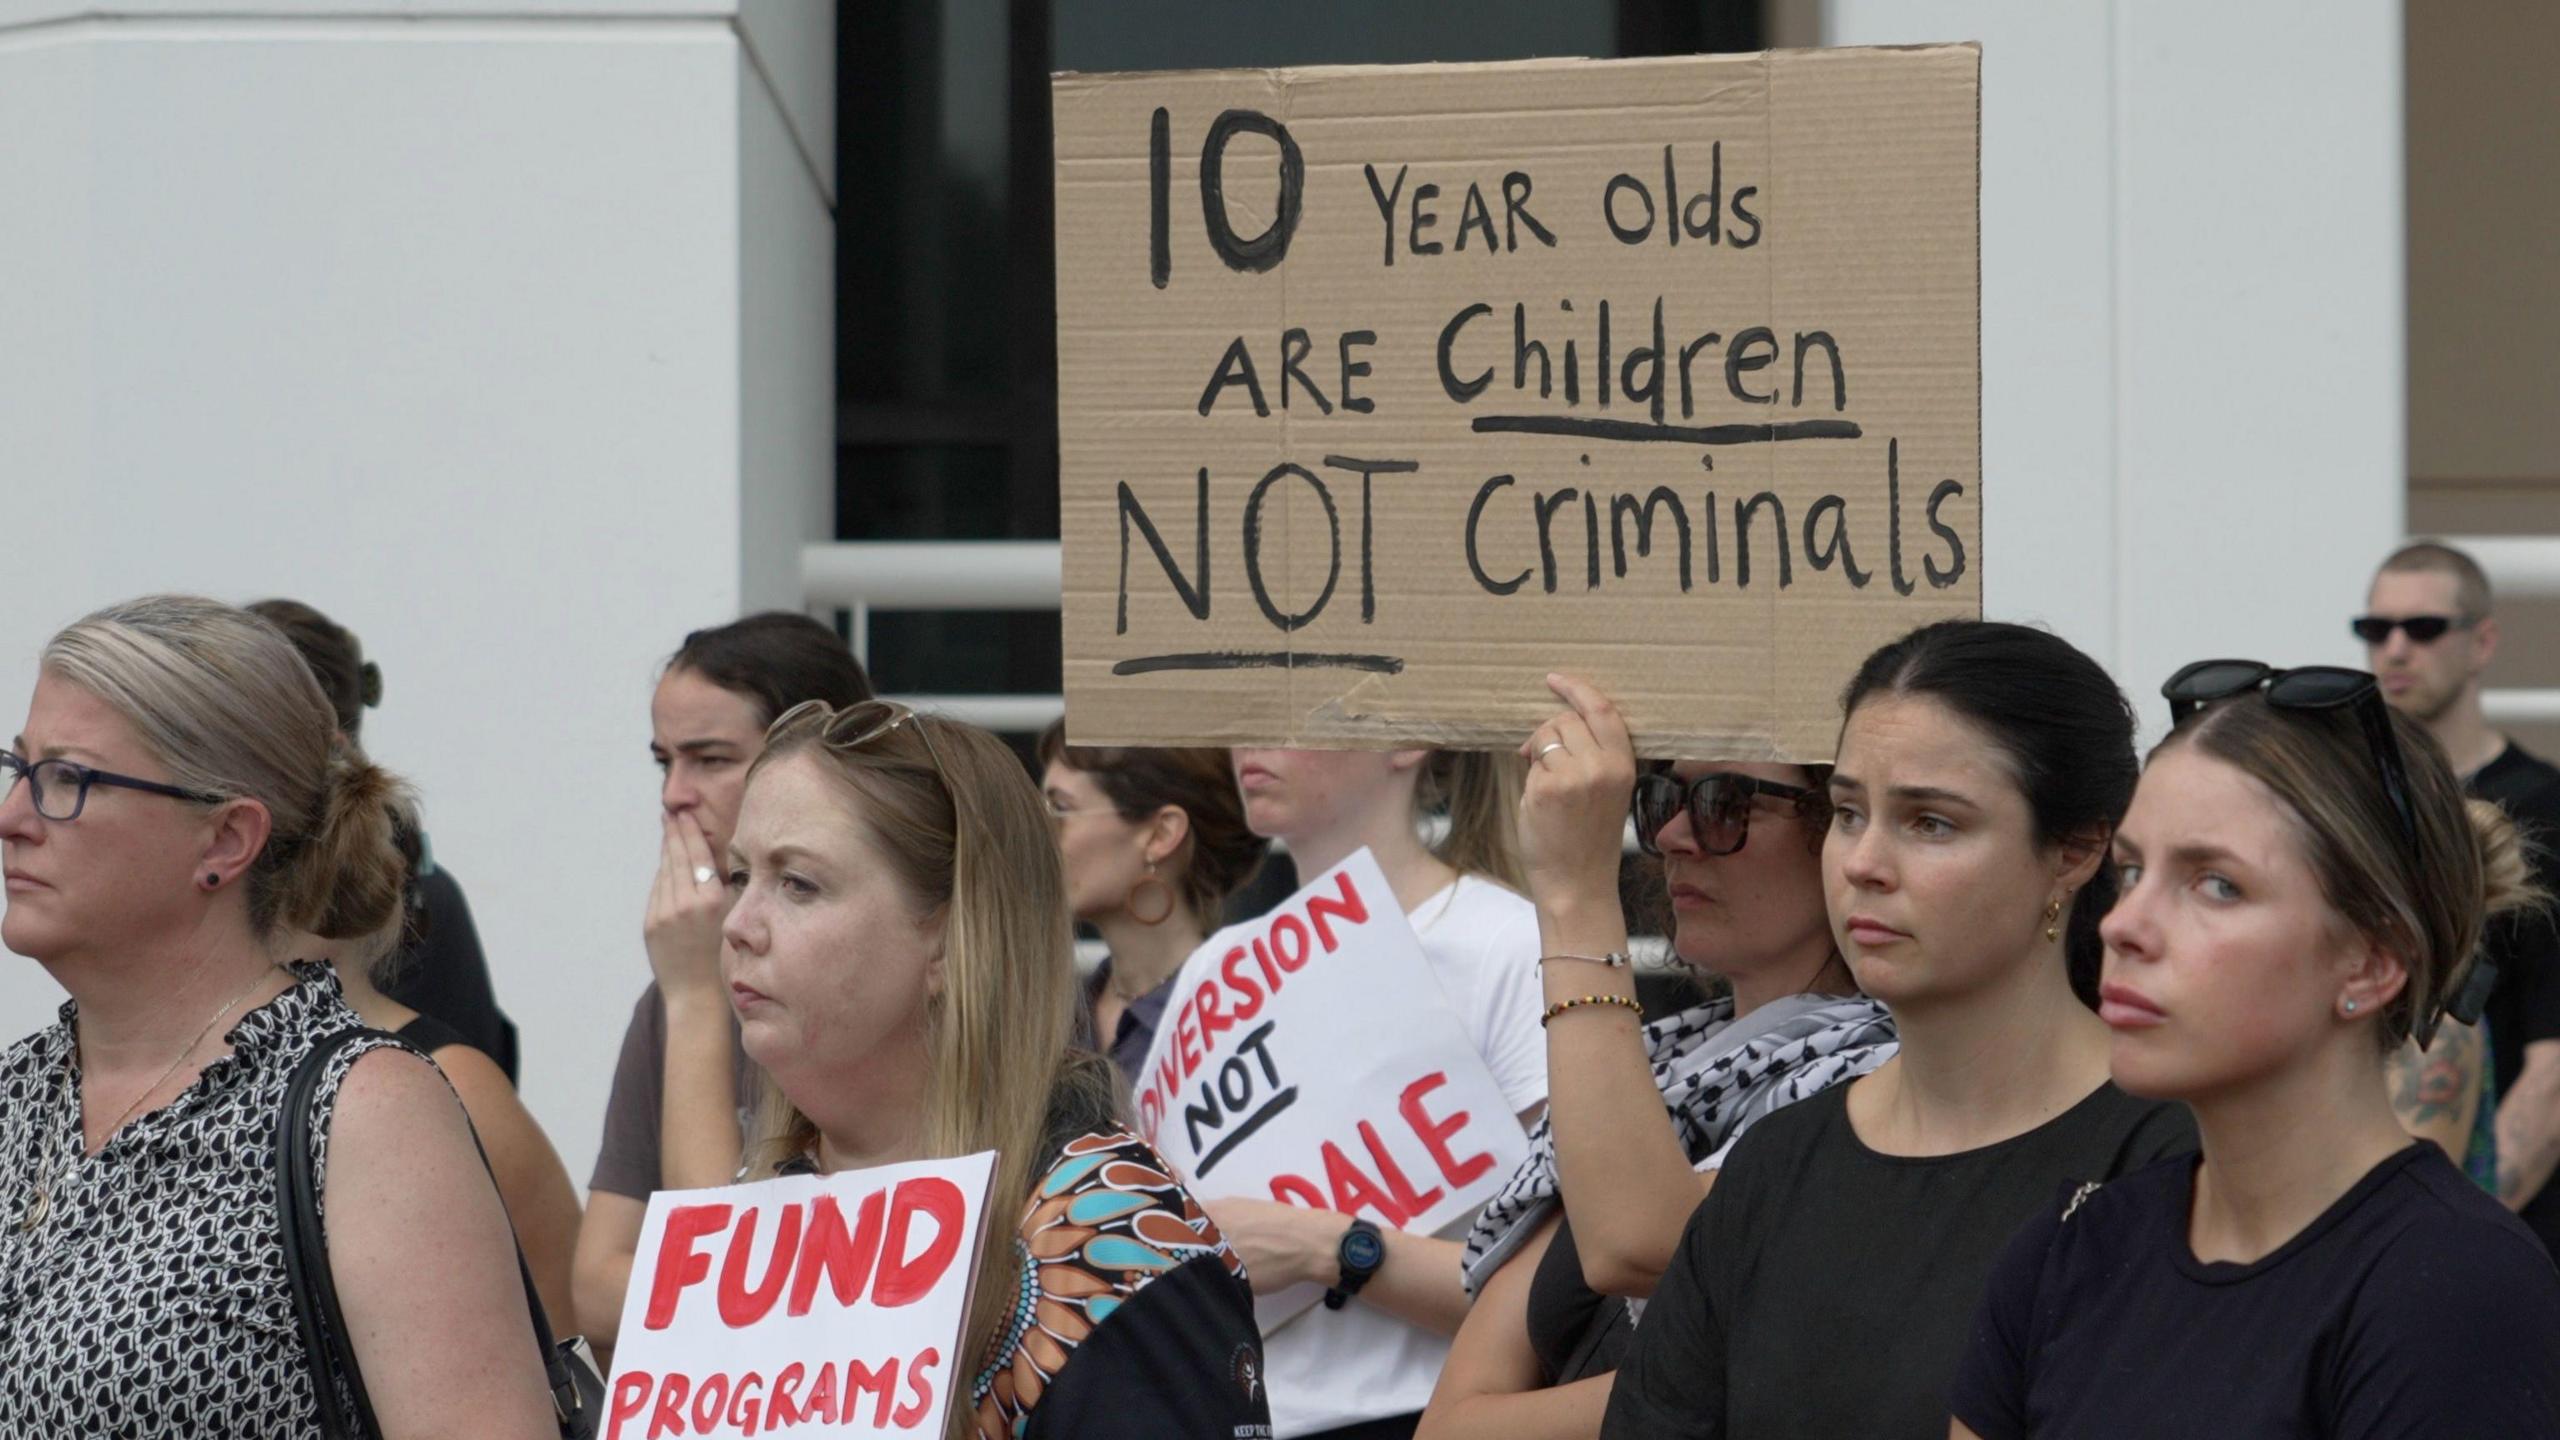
[(2193, 399), (505, 339)]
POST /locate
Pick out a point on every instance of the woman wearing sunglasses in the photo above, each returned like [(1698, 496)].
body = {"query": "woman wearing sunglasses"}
[(175, 809), (2304, 887), (1825, 1285), (899, 957), (1597, 1209)]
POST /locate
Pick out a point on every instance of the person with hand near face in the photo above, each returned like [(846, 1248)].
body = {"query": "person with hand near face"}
[(2430, 630), (1825, 1284), (1593, 1215), (541, 1203), (2303, 889), (1364, 1371), (177, 814), (899, 957), (1153, 842), (673, 1120)]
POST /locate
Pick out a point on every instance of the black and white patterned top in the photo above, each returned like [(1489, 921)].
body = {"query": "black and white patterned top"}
[(151, 1301)]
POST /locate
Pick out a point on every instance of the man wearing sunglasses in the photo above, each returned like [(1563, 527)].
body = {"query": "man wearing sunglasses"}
[(2430, 630)]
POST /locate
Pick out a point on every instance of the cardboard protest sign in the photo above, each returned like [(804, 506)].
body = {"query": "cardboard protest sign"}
[(1386, 390), (807, 1299), (1311, 1057)]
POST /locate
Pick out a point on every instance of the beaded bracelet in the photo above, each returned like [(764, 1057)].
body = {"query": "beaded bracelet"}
[(1615, 959), (1623, 1002)]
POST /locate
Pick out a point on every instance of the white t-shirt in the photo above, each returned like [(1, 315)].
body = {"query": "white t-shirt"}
[(1330, 1368)]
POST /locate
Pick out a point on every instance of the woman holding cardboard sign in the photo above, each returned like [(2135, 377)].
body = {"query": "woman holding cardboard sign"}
[(1596, 1211), (1825, 1285), (1365, 1365), (899, 959)]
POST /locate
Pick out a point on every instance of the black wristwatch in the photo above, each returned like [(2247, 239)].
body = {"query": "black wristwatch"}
[(1360, 1252)]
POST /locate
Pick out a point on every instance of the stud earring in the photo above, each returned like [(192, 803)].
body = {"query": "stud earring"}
[(212, 881), (2351, 1006)]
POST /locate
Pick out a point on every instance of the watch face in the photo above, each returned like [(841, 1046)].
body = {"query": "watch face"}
[(1363, 1249)]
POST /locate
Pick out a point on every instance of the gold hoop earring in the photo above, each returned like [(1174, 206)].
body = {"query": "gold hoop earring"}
[(2053, 919), (1131, 904)]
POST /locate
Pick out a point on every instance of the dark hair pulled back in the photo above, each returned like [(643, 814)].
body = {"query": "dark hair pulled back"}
[(1222, 852), (351, 683), (776, 658), (2056, 719)]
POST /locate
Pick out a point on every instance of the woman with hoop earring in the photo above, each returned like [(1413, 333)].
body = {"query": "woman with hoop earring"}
[(1153, 842)]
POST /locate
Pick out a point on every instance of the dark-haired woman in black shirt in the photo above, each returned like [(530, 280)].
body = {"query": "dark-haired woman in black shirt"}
[(1824, 1286), (2303, 888)]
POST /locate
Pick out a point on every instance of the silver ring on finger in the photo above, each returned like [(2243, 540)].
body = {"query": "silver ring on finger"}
[(704, 874), (1551, 745)]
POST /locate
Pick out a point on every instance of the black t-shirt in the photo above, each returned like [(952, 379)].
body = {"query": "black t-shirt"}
[(2415, 1306), (1576, 1331), (1824, 1289), (2525, 1006)]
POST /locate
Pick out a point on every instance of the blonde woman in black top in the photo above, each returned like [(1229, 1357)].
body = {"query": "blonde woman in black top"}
[(2304, 888)]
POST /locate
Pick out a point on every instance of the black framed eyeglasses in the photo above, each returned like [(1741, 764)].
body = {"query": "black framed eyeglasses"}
[(60, 788), (1718, 805), (2424, 629)]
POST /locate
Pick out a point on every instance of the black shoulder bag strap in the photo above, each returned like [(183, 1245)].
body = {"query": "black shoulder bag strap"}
[(315, 1291)]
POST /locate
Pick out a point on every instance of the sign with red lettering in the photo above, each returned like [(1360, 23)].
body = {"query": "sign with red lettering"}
[(805, 1299), (1310, 1056)]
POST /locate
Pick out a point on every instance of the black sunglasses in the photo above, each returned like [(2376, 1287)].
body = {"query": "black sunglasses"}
[(2334, 687), (2424, 629), (48, 781), (2308, 687), (1718, 805)]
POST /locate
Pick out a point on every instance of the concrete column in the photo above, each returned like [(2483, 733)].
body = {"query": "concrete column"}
[(2193, 351), (502, 332)]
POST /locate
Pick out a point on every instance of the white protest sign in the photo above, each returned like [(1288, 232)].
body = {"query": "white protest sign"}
[(1310, 1056), (806, 1299)]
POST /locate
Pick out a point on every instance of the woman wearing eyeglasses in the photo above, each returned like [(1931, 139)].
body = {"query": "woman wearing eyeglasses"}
[(899, 959), (1825, 1285), (2303, 890), (1597, 1209), (177, 806)]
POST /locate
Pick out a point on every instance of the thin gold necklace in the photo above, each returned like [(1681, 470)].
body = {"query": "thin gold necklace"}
[(41, 1207)]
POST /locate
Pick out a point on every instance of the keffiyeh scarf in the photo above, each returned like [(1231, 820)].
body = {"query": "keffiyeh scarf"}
[(1717, 1076)]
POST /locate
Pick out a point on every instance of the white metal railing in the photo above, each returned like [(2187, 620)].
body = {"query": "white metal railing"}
[(2519, 566), (867, 575)]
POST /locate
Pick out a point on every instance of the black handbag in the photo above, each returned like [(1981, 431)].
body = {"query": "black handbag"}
[(577, 1387)]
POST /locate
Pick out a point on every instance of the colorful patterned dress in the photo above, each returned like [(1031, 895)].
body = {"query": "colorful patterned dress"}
[(1133, 1317)]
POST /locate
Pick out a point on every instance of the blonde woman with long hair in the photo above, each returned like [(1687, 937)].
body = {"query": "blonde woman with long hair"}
[(899, 956), (1363, 1367)]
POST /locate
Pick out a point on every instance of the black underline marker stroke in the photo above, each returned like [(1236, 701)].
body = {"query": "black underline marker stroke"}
[(1257, 660), (1593, 429), (1235, 1137)]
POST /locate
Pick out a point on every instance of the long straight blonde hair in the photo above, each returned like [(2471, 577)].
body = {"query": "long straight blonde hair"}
[(969, 838)]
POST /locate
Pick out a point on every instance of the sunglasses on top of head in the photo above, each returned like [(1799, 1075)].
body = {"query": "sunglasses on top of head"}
[(1718, 805), (2334, 687), (2423, 629)]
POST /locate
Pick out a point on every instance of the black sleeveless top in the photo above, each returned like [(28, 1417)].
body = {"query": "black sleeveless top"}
[(1577, 1331)]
